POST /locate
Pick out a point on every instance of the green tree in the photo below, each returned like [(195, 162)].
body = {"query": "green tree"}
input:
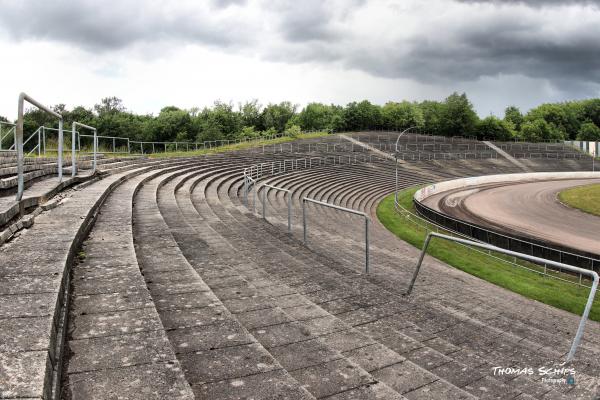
[(363, 115), (402, 115), (277, 115), (432, 116), (315, 116), (109, 105), (513, 115), (539, 129), (171, 124), (562, 116), (589, 132), (495, 129), (457, 116), (591, 111), (251, 114)]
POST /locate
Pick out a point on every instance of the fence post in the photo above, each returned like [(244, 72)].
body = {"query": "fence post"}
[(289, 212), (366, 245), (73, 160), (60, 149), (264, 203), (304, 220)]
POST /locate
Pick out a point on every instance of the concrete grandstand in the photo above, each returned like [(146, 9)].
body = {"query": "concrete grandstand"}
[(155, 278)]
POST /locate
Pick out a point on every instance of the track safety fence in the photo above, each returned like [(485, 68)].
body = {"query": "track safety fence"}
[(339, 208), (592, 274)]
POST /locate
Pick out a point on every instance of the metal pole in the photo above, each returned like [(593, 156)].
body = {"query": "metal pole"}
[(264, 203), (304, 220), (254, 197), (289, 212), (95, 151), (366, 245), (73, 158), (60, 148), (419, 262)]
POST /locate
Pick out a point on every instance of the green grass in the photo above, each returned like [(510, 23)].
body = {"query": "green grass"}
[(172, 154), (530, 284), (237, 146), (585, 198)]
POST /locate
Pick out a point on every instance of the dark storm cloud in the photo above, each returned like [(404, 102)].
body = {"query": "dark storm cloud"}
[(464, 43), (101, 26)]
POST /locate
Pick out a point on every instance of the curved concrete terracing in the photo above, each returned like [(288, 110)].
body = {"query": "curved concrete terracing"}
[(180, 291)]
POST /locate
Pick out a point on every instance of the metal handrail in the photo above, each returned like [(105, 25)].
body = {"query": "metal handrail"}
[(348, 210), (592, 274), (593, 261), (114, 144), (8, 132), (289, 202), (74, 126), (423, 224), (19, 140)]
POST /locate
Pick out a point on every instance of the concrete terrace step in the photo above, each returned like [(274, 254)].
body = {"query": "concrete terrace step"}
[(111, 312), (302, 310), (32, 293), (208, 340), (430, 354), (242, 280), (328, 222)]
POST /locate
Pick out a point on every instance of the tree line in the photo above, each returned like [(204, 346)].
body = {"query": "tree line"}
[(452, 117)]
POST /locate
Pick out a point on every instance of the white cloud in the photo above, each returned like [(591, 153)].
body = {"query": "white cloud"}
[(189, 53)]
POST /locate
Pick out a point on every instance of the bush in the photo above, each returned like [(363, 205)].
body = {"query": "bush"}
[(589, 132), (293, 131), (495, 129), (539, 129)]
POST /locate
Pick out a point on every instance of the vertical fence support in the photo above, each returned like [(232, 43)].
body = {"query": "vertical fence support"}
[(538, 260), (60, 149), (348, 210)]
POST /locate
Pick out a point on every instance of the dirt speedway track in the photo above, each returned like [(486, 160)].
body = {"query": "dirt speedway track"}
[(525, 209)]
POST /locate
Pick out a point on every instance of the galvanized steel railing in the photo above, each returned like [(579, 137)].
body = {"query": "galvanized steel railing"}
[(7, 132), (484, 235), (592, 274), (344, 209), (265, 189), (19, 139), (73, 149)]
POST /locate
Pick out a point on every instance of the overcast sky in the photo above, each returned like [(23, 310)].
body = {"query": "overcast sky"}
[(153, 53)]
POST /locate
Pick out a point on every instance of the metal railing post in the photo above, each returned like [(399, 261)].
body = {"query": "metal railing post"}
[(73, 158), (254, 197), (94, 163), (60, 149), (592, 274), (264, 203), (304, 219), (289, 207), (366, 245)]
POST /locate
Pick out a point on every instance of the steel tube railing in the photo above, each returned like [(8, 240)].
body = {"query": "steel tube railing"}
[(73, 155), (11, 129), (423, 210), (339, 208), (289, 203), (19, 138), (592, 274)]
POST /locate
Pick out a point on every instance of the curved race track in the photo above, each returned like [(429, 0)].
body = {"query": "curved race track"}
[(525, 209)]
